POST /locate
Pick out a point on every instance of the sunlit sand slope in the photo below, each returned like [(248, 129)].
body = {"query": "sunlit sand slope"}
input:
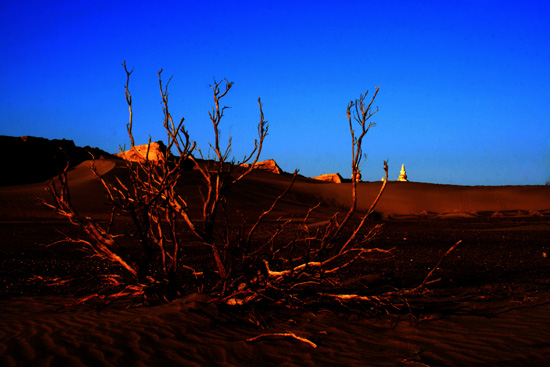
[(257, 191)]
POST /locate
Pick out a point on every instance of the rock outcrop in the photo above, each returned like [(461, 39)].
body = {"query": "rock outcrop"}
[(29, 159), (330, 177), (267, 165), (157, 152)]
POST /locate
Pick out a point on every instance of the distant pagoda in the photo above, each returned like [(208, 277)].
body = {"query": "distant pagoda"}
[(403, 174)]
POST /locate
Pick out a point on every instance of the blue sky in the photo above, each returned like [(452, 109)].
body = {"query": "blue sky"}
[(464, 85)]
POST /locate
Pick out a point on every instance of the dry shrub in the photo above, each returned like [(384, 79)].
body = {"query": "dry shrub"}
[(235, 267)]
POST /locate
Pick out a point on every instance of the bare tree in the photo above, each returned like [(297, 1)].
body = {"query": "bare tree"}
[(248, 267), (324, 253)]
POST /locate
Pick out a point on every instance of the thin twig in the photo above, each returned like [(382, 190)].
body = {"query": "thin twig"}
[(283, 335), (437, 265)]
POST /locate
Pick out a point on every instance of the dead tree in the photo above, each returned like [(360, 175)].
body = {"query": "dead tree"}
[(247, 268), (323, 253), (145, 196), (218, 177)]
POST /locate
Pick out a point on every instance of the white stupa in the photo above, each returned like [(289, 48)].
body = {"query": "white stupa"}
[(402, 174)]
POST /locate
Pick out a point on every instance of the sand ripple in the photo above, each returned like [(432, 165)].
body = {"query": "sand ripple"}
[(192, 332)]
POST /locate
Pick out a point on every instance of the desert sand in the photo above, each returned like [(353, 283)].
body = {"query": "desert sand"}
[(491, 307)]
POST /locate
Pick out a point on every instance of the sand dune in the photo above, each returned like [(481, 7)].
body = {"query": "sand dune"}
[(399, 199), (21, 202), (38, 331)]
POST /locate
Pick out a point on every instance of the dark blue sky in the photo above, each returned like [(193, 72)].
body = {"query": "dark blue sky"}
[(464, 85)]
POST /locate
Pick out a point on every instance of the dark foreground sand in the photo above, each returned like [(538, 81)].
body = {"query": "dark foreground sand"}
[(190, 332), (492, 306)]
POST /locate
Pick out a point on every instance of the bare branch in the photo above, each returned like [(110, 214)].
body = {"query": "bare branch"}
[(267, 212), (283, 335), (129, 101), (451, 249)]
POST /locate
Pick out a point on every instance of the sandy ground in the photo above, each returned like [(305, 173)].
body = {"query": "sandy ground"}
[(190, 332), (491, 307)]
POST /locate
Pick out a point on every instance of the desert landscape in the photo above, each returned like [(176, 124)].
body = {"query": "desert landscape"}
[(274, 183), (488, 304)]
